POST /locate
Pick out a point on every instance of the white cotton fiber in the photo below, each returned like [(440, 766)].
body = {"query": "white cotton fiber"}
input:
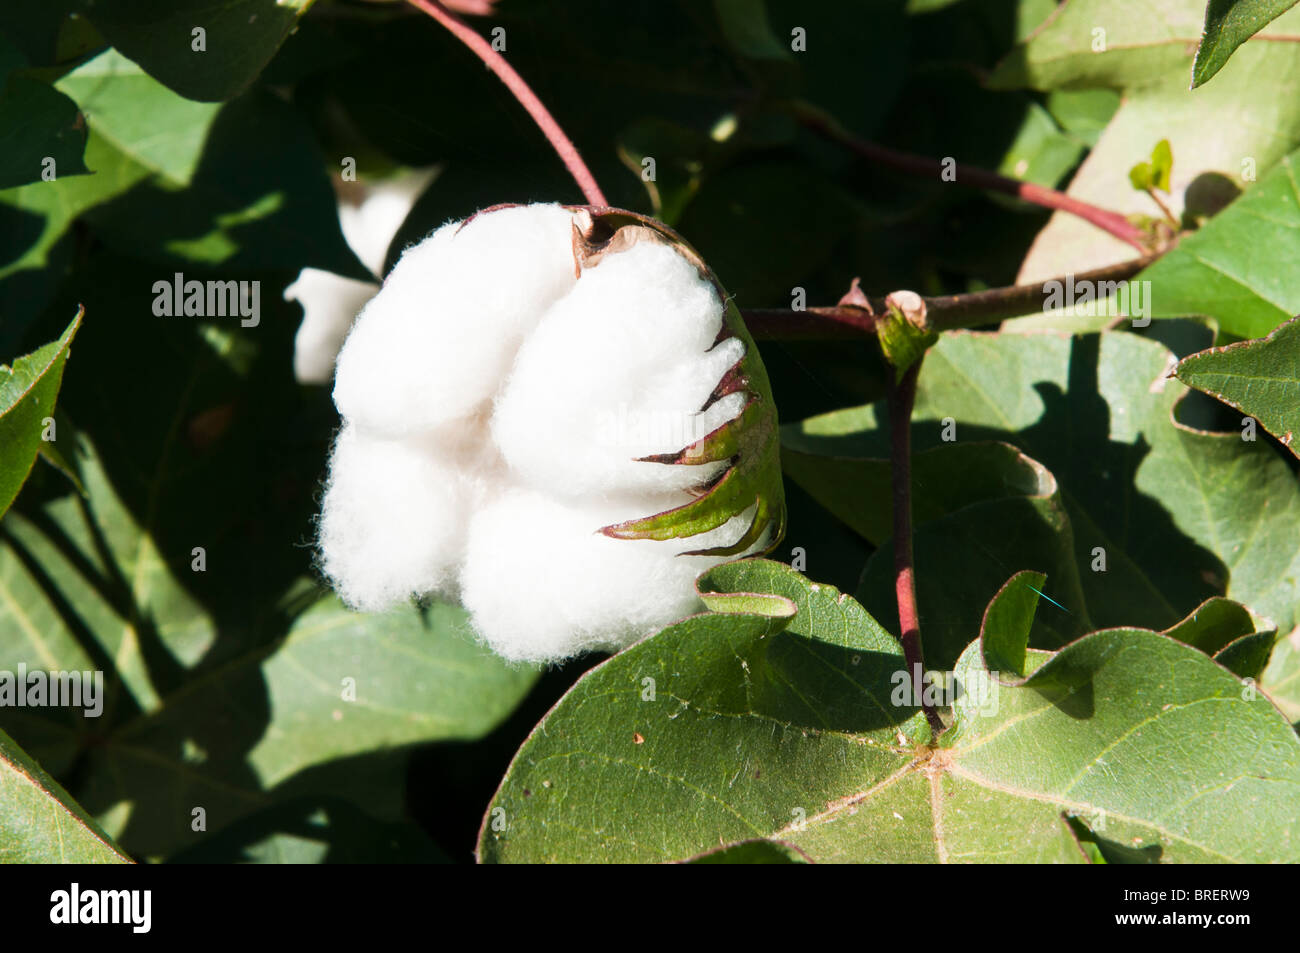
[(329, 304), (619, 369), (393, 520), (370, 225), (541, 583), (494, 406), (439, 338)]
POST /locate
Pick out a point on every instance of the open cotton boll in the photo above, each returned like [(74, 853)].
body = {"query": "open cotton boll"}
[(438, 339), (495, 408), (619, 369), (330, 302), (393, 520), (542, 583)]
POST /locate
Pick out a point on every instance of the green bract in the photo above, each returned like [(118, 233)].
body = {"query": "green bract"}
[(751, 442)]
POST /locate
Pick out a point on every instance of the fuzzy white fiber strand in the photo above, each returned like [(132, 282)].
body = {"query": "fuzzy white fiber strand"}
[(438, 340), (393, 521), (541, 583), (619, 370), (494, 404), (330, 302)]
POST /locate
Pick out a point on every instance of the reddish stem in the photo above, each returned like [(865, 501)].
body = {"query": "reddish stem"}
[(1108, 221), (943, 312), (494, 61), (902, 396)]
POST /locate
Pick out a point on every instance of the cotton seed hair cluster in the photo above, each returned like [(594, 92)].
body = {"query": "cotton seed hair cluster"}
[(330, 302), (547, 428)]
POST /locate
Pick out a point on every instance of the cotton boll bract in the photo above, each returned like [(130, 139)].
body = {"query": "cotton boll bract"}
[(619, 369), (541, 583), (438, 339)]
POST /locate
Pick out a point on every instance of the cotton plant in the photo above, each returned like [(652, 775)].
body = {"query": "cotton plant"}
[(370, 216), (556, 417)]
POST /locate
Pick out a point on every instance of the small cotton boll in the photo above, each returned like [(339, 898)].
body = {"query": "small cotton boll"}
[(619, 369), (438, 339), (393, 520), (541, 583), (330, 302), (370, 226)]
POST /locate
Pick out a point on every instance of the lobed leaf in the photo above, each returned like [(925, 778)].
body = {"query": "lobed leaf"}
[(1259, 377), (727, 730)]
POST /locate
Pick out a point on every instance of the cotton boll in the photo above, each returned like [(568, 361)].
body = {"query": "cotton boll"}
[(438, 339), (393, 520), (542, 583), (369, 227), (330, 302), (619, 369)]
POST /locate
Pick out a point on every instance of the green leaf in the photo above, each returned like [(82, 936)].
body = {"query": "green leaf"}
[(40, 823), (1178, 514), (232, 732), (1148, 58), (41, 132), (745, 25), (1041, 151), (28, 391), (1281, 679), (1155, 173), (45, 34), (245, 734), (1228, 24), (1111, 44), (749, 719), (1249, 655), (175, 179), (1218, 271), (968, 498), (239, 38), (1259, 377), (1226, 631), (1083, 113), (1213, 625), (316, 830), (792, 735), (857, 488), (679, 155), (753, 852)]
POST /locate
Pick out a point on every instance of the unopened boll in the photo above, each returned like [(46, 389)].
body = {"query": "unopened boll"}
[(515, 398)]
